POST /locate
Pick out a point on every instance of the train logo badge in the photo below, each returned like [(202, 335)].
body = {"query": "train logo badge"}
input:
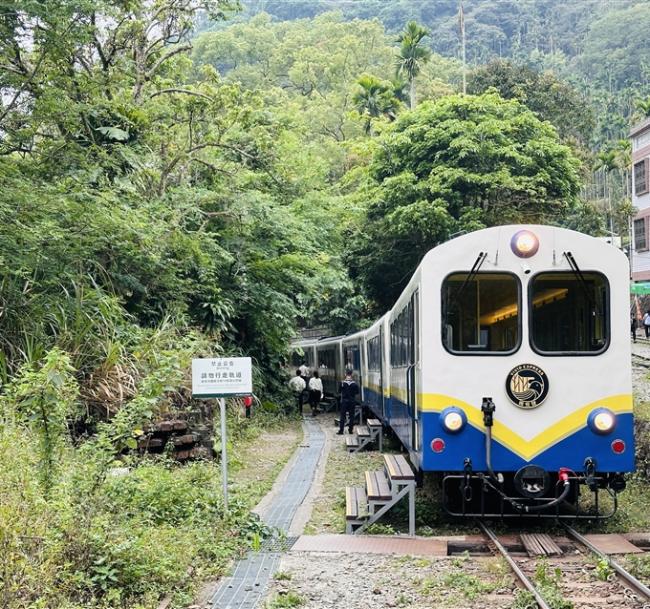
[(527, 386)]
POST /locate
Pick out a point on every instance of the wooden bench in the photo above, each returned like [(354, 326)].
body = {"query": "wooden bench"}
[(377, 486), (373, 423), (398, 468), (355, 501)]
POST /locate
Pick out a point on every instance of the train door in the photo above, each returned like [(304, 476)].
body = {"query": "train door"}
[(412, 371)]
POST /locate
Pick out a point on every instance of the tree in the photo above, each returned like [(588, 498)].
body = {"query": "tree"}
[(544, 93), (412, 55), (459, 163), (616, 53), (375, 98), (131, 195), (642, 108), (607, 161)]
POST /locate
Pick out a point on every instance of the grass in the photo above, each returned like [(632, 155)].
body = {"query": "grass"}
[(639, 566), (281, 576), (468, 585), (285, 600), (468, 581), (548, 583)]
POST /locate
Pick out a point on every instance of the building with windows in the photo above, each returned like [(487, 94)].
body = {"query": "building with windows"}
[(640, 259)]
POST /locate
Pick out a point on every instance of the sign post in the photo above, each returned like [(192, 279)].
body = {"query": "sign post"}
[(222, 377), (224, 455)]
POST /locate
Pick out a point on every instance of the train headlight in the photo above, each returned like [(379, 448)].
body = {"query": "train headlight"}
[(602, 421), (453, 419), (524, 244)]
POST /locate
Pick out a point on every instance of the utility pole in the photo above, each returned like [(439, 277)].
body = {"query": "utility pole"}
[(461, 18)]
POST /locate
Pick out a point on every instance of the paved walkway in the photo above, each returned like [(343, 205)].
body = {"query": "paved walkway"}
[(249, 581)]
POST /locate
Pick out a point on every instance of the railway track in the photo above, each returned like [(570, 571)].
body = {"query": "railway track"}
[(582, 578)]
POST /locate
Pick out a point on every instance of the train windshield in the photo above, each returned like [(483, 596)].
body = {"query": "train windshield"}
[(569, 312), (481, 312)]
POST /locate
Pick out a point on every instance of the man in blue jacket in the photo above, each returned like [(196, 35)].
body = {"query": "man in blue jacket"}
[(349, 390)]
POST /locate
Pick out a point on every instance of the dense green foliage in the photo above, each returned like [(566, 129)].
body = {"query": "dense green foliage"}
[(459, 164), (599, 46), (543, 92)]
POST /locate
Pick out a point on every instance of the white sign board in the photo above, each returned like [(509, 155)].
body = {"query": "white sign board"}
[(221, 377)]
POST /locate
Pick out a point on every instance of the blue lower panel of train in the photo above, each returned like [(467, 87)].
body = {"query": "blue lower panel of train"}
[(569, 452), (373, 400)]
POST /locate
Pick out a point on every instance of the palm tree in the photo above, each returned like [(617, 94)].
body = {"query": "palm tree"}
[(399, 89), (642, 108), (608, 160), (412, 55), (375, 98), (623, 150)]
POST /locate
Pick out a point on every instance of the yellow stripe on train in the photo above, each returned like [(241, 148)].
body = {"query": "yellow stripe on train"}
[(526, 449), (376, 388)]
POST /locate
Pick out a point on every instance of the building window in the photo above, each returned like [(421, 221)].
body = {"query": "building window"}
[(640, 241), (641, 177), (642, 140)]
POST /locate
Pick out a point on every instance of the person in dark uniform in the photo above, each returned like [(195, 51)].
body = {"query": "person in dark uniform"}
[(349, 390)]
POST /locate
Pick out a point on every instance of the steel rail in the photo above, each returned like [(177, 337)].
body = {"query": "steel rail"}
[(523, 578), (626, 576)]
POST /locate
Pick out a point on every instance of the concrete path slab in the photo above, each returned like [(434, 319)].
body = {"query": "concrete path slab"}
[(375, 544)]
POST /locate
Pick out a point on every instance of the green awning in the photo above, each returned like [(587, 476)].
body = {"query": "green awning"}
[(640, 288)]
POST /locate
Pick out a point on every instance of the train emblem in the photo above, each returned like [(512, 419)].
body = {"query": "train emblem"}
[(527, 386)]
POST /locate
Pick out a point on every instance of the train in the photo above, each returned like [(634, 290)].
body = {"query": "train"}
[(504, 370)]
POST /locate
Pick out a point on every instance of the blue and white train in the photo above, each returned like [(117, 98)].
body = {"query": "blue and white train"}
[(504, 367)]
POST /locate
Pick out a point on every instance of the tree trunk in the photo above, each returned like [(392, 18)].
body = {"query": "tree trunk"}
[(412, 94)]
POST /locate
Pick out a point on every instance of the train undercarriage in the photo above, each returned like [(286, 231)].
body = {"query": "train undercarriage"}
[(531, 493)]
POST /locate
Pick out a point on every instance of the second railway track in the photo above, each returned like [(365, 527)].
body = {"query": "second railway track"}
[(581, 577)]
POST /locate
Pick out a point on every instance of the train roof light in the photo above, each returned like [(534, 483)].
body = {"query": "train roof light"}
[(453, 419), (524, 244), (602, 421)]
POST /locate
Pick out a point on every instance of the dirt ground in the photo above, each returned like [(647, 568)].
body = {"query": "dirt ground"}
[(365, 581)]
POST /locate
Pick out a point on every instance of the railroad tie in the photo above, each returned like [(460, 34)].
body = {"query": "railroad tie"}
[(540, 544)]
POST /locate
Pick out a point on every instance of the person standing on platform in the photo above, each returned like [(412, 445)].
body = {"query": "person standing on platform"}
[(315, 392), (633, 326), (297, 385), (646, 324), (349, 390)]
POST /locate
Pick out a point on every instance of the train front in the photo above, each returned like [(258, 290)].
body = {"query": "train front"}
[(525, 388)]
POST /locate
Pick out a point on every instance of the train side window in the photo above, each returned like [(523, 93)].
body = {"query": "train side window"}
[(400, 339), (374, 357), (569, 313), (481, 313)]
